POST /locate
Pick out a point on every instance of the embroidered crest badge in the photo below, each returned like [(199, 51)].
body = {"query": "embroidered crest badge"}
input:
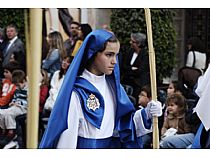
[(93, 102)]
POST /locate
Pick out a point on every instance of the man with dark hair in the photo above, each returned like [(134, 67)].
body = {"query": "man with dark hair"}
[(69, 44), (14, 44)]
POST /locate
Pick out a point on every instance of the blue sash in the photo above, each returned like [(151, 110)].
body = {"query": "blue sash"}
[(107, 143), (125, 125)]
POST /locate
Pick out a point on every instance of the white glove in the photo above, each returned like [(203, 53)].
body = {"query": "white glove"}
[(154, 108)]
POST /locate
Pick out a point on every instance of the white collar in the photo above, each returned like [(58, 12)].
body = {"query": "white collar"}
[(13, 40), (92, 77)]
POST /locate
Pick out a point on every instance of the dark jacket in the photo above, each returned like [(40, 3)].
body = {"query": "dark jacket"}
[(140, 76), (17, 48)]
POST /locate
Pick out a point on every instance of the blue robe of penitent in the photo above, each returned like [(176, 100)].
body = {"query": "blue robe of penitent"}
[(124, 111)]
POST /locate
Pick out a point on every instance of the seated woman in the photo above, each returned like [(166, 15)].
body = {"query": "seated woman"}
[(56, 83)]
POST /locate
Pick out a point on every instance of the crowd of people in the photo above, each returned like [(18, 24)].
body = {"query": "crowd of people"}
[(81, 93)]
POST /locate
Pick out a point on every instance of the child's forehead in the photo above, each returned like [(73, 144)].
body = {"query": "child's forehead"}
[(143, 93)]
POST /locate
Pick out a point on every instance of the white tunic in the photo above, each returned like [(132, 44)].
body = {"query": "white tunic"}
[(79, 126)]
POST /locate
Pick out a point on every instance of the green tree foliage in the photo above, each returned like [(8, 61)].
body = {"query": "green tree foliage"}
[(13, 16), (125, 21)]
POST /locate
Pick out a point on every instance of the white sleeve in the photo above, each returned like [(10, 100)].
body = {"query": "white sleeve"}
[(139, 123), (54, 79), (68, 138), (190, 59)]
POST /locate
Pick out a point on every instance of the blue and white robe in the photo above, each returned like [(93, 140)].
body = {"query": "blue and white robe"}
[(73, 125), (83, 133)]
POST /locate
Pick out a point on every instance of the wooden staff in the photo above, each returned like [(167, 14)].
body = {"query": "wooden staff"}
[(152, 76), (33, 71)]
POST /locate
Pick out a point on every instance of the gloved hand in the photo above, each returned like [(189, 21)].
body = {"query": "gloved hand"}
[(154, 108)]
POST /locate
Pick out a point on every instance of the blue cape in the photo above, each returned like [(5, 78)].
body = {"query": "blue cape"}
[(58, 120), (197, 142)]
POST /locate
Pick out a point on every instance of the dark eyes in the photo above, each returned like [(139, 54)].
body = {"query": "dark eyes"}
[(109, 55)]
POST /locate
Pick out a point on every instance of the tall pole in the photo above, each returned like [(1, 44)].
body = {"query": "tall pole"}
[(152, 75), (33, 66)]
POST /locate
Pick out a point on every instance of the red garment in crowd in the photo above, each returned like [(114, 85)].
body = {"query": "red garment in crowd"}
[(43, 96), (7, 92)]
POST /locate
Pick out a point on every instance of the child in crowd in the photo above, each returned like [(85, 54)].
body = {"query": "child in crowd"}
[(8, 88), (18, 106), (144, 98), (176, 133), (56, 83), (172, 88), (43, 94), (44, 88)]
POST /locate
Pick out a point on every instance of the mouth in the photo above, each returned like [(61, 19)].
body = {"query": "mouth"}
[(111, 69)]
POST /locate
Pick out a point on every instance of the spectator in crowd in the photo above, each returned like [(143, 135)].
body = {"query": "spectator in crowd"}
[(136, 64), (92, 110), (176, 133), (17, 106), (19, 59), (2, 46), (55, 55), (85, 29), (8, 88), (196, 56), (144, 98), (56, 83), (14, 44), (173, 87), (2, 39), (69, 44), (44, 88)]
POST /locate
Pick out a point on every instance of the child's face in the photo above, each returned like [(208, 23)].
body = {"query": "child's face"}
[(170, 89), (143, 99), (65, 63), (7, 74), (172, 108), (105, 61), (21, 85)]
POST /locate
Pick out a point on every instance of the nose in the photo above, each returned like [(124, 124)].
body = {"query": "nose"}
[(114, 60)]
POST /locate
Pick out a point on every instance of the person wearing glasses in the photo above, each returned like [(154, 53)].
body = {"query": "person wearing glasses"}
[(136, 64)]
